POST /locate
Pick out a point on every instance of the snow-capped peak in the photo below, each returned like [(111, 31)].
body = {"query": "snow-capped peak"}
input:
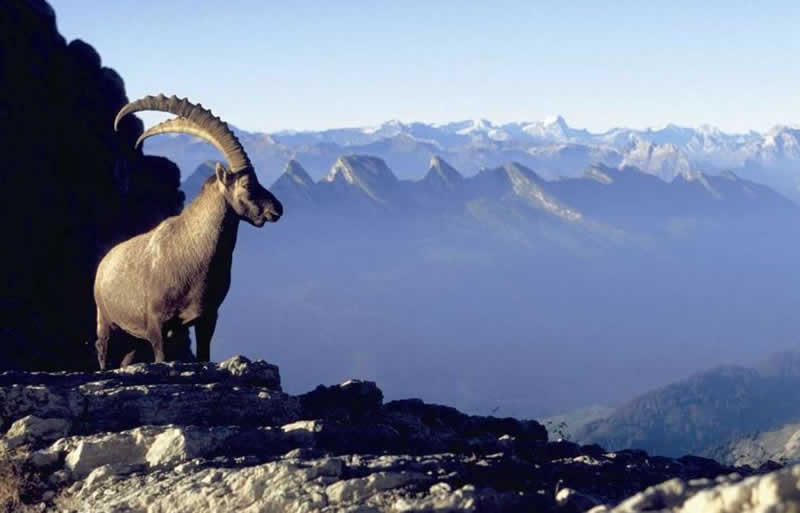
[(552, 128), (388, 129), (556, 119), (476, 125)]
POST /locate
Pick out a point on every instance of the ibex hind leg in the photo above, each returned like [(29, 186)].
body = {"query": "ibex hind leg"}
[(103, 334), (155, 335), (203, 331)]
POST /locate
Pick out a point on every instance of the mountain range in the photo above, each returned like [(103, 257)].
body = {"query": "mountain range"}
[(551, 147), (602, 200)]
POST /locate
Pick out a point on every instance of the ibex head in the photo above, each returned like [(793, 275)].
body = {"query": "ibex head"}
[(237, 183), (247, 197)]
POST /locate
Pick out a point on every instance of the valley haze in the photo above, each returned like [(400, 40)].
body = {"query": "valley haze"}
[(506, 292)]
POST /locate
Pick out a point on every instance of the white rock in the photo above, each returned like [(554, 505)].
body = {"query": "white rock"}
[(311, 426), (776, 492), (99, 474), (575, 500), (32, 429), (302, 433), (177, 445), (668, 494), (259, 371), (357, 489), (125, 448)]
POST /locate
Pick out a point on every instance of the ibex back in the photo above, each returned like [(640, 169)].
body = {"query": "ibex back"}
[(177, 274)]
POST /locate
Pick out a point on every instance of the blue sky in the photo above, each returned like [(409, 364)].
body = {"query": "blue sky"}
[(267, 66)]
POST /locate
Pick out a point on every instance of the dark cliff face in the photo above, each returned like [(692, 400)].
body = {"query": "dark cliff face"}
[(72, 187)]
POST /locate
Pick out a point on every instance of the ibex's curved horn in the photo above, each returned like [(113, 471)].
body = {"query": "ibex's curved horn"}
[(212, 128), (179, 125)]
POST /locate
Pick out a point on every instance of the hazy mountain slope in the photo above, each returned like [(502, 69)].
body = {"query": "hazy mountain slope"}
[(628, 195), (706, 411)]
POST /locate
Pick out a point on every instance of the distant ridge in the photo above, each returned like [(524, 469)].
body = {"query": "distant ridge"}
[(551, 147), (604, 194)]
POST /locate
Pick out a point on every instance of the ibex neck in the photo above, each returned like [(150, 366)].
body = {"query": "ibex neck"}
[(210, 222)]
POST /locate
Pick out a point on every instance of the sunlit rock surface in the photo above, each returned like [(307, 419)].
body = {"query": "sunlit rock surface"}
[(200, 437)]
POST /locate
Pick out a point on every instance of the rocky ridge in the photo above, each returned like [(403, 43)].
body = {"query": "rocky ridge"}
[(223, 437)]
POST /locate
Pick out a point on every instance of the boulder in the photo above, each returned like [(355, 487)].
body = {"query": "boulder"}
[(34, 430)]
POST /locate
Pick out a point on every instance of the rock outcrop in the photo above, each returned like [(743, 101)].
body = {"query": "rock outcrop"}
[(73, 187), (776, 492), (200, 437)]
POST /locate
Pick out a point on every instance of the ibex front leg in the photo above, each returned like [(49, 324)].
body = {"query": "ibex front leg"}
[(203, 331)]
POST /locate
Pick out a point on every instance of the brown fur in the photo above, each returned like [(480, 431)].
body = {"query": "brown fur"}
[(178, 273)]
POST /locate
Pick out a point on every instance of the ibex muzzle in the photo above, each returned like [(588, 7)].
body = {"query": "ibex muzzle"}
[(178, 273)]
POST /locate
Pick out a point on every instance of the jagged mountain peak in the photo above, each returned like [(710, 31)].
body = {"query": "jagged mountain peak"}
[(506, 174), (294, 168), (441, 171), (369, 174), (550, 145), (663, 160), (556, 119), (515, 181), (294, 186), (294, 174), (351, 168), (707, 129), (389, 128), (193, 184), (554, 129), (481, 124)]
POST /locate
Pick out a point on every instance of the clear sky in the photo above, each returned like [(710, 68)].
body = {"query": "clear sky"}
[(265, 65)]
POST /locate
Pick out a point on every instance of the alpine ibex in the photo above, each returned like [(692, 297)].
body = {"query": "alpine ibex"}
[(177, 274)]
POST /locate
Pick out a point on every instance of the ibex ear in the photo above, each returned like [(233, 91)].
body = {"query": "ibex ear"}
[(223, 175)]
